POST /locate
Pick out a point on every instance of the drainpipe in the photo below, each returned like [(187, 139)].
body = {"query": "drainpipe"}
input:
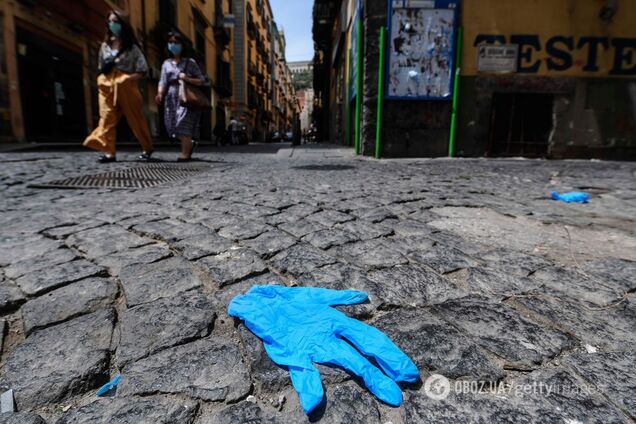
[(458, 64), (381, 66)]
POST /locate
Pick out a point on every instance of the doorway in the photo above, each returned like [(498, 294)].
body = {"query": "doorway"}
[(520, 124), (51, 89)]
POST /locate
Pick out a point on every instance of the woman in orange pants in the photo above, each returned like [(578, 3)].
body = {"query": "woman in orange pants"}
[(121, 64)]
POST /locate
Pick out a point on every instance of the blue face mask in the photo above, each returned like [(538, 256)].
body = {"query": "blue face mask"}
[(114, 27), (175, 48)]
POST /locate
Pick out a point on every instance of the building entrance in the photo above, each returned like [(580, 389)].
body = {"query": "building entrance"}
[(520, 124), (51, 89)]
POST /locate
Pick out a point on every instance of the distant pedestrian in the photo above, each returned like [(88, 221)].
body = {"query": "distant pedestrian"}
[(181, 122), (121, 65), (234, 130)]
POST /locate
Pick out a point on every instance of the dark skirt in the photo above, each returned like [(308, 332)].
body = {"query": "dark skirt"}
[(180, 121)]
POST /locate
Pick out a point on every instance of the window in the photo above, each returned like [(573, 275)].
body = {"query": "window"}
[(199, 38), (168, 12)]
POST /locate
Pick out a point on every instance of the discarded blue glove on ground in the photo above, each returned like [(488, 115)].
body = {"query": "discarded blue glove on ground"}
[(299, 327), (109, 386), (572, 197)]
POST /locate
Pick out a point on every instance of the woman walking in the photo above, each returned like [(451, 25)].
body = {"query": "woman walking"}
[(181, 122), (121, 65)]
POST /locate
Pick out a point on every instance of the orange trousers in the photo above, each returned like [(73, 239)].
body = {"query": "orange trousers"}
[(118, 96)]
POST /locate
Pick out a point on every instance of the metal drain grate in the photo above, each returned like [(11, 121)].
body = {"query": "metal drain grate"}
[(139, 177)]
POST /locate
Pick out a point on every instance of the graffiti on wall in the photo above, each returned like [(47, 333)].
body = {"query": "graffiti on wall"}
[(421, 49)]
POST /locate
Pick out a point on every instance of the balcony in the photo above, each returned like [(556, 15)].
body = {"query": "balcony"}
[(252, 69), (252, 30), (221, 33)]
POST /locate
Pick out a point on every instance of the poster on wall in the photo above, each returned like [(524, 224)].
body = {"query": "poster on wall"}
[(421, 47), (353, 52)]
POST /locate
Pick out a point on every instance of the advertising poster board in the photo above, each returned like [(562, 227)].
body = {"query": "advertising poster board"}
[(421, 49)]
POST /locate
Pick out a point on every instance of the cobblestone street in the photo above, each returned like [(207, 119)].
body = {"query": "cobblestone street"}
[(470, 267)]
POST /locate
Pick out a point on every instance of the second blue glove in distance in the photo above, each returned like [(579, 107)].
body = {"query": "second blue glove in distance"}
[(299, 327)]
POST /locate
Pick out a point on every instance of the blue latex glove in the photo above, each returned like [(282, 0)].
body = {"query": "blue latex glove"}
[(572, 197), (298, 327), (109, 386)]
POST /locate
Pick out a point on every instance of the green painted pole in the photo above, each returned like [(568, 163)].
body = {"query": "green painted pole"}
[(358, 85), (381, 67), (458, 65)]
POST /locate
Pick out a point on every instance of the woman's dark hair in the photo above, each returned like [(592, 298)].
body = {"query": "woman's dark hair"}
[(179, 38), (127, 35)]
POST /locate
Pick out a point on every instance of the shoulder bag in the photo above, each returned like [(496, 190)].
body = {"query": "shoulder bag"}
[(191, 96)]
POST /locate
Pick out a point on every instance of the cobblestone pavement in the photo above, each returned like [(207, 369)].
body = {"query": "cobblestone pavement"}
[(470, 268)]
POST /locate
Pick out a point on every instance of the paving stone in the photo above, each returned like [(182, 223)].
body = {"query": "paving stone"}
[(294, 213), (572, 397), (149, 328), (476, 408), (210, 370), (494, 283), (325, 239), (301, 228), (329, 218), (199, 246), (10, 296), (75, 299), (103, 240), (301, 258), (145, 283), (243, 412), (374, 215), (133, 410), (370, 254), (233, 266), (436, 347), (613, 272), (244, 231), (501, 330), (170, 230), (270, 243), (71, 358), (612, 373), (365, 229), (217, 219), (414, 286), (117, 261), (39, 282), (21, 418), (411, 228), (18, 249), (609, 329), (443, 260), (560, 281), (66, 230), (39, 263), (513, 262)]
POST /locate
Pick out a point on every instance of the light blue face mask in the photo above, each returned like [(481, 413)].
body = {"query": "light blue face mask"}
[(115, 27), (175, 48)]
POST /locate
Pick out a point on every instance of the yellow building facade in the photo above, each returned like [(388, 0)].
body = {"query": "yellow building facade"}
[(48, 53)]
